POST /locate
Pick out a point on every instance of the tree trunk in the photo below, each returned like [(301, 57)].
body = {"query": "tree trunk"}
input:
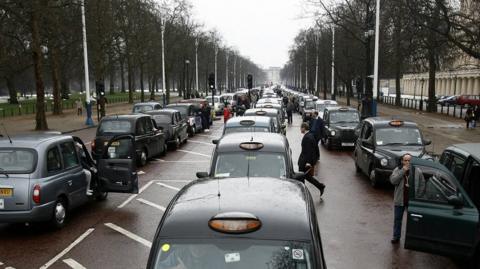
[(167, 90), (432, 67), (325, 84), (57, 100), (122, 75), (349, 92), (64, 85), (131, 80), (40, 118), (12, 92), (112, 78), (142, 89), (151, 86)]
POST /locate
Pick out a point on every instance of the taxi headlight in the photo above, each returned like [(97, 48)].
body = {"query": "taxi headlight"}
[(333, 133), (384, 162)]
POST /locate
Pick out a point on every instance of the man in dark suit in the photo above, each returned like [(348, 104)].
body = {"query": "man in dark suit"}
[(309, 157)]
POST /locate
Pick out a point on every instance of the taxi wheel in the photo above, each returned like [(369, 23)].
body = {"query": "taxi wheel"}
[(143, 158), (178, 143), (59, 214), (165, 149), (328, 143), (357, 168), (101, 196), (373, 178)]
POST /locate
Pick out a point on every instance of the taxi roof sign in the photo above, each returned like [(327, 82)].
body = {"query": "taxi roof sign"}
[(251, 145), (247, 122), (234, 223), (261, 112), (396, 123)]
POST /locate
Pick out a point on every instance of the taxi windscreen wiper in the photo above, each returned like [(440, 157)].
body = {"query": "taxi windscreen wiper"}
[(393, 144), (2, 171)]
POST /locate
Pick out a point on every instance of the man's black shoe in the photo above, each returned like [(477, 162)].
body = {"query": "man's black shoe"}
[(322, 189), (395, 240)]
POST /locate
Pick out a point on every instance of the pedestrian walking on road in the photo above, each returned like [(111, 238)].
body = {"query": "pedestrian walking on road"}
[(399, 179), (317, 126), (469, 117), (309, 157), (476, 115), (290, 108), (226, 114), (78, 103)]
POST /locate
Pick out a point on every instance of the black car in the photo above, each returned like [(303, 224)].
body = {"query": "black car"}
[(340, 126), (173, 125), (239, 223), (463, 160), (381, 143), (192, 114), (251, 154), (149, 141)]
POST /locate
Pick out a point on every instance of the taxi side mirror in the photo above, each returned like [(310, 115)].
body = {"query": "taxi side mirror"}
[(202, 175), (427, 142), (215, 141), (299, 175), (456, 201)]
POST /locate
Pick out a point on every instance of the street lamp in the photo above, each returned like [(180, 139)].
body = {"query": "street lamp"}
[(306, 63), (234, 71), (317, 40), (162, 29), (216, 53), (226, 71), (333, 63), (89, 120), (186, 94)]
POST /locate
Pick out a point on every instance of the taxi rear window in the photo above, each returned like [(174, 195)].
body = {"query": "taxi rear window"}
[(234, 254), (17, 161), (115, 127), (246, 129), (253, 164)]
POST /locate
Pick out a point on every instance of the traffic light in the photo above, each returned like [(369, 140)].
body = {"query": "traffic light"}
[(100, 88), (211, 81), (249, 81)]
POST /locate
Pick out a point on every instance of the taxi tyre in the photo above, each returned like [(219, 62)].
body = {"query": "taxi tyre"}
[(328, 143), (372, 177), (165, 149), (178, 143), (59, 213), (358, 170), (101, 196), (142, 160)]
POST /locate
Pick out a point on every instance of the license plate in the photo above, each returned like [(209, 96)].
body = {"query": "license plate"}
[(2, 204), (348, 144), (111, 150), (114, 144), (6, 192)]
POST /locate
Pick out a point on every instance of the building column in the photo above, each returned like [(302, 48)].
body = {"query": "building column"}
[(476, 86), (461, 86)]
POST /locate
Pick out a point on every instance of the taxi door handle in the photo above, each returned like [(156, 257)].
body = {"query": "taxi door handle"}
[(416, 216), (70, 183)]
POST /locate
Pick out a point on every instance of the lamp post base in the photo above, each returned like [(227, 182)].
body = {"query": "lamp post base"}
[(89, 121)]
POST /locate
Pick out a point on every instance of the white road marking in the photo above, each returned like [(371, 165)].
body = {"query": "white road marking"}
[(130, 235), (88, 143), (143, 201), (214, 136), (141, 172), (129, 199), (194, 153), (74, 264), (175, 180), (65, 251), (163, 161), (1, 263), (204, 143), (168, 186), (9, 267)]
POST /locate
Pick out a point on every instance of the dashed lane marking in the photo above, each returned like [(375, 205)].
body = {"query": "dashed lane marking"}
[(130, 235), (143, 201), (1, 263), (214, 136), (176, 180), (9, 267), (65, 251), (203, 143), (129, 199), (163, 161), (74, 264), (141, 172), (168, 186), (194, 153)]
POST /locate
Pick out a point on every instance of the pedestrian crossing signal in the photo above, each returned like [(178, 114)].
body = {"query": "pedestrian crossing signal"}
[(211, 81)]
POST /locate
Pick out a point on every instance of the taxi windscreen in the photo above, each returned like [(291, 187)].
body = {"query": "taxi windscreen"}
[(398, 136), (344, 117), (251, 129), (115, 127), (142, 108), (17, 160), (252, 164), (235, 254), (309, 105)]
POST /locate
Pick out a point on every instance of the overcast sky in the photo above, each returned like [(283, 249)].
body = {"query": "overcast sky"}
[(260, 29)]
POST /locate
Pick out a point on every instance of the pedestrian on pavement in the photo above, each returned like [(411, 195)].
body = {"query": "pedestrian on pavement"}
[(226, 114), (309, 157), (399, 179), (290, 108), (205, 117), (79, 105), (476, 115), (469, 117)]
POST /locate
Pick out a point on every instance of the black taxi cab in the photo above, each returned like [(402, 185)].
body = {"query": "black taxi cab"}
[(239, 223), (442, 218), (340, 126), (249, 124), (380, 144), (252, 155), (273, 113)]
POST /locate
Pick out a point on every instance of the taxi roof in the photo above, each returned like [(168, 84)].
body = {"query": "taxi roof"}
[(124, 117), (269, 111), (32, 140), (340, 108), (385, 121), (272, 142), (284, 211), (259, 121), (472, 149), (163, 111)]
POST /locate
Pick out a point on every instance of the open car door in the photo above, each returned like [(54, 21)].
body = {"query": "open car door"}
[(441, 217), (116, 166)]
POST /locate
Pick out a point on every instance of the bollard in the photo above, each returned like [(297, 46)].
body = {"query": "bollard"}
[(448, 109)]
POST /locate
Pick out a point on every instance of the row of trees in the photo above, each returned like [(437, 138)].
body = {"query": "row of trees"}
[(415, 36), (41, 42)]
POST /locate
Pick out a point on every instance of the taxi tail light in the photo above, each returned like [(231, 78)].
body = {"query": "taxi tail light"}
[(396, 123), (36, 194), (93, 146)]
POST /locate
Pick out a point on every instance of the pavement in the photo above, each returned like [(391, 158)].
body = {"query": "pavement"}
[(443, 130)]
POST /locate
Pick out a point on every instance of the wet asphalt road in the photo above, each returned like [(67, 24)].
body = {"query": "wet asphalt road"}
[(355, 219)]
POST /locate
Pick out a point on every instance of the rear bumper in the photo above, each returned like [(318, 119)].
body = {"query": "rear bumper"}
[(36, 214)]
